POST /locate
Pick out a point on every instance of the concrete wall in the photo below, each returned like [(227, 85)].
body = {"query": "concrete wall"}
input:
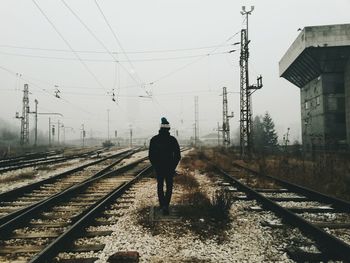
[(347, 99), (315, 36), (333, 93), (312, 113), (323, 110), (327, 36)]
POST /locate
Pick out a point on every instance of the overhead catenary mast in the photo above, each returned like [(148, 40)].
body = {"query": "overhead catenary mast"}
[(196, 121), (24, 138), (246, 91), (225, 119)]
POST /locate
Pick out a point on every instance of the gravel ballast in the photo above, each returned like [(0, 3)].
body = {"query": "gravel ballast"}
[(245, 239)]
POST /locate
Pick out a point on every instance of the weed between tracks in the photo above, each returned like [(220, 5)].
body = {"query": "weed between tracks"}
[(206, 216), (13, 177)]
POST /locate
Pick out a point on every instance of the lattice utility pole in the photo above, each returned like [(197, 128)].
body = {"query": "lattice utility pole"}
[(225, 119), (246, 91), (108, 124), (196, 121), (36, 123), (24, 139)]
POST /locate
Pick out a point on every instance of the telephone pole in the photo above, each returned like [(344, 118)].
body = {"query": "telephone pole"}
[(246, 90), (218, 129), (49, 131), (58, 132), (225, 119), (108, 124), (130, 136), (36, 123), (196, 121), (83, 134)]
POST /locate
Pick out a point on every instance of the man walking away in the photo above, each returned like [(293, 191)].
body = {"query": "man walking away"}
[(164, 154)]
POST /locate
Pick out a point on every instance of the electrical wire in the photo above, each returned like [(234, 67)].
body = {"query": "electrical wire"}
[(191, 63), (117, 39), (113, 61), (102, 44), (68, 44), (94, 36), (114, 52), (41, 89)]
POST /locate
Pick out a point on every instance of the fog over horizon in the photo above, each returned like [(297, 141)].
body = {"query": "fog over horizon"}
[(168, 52)]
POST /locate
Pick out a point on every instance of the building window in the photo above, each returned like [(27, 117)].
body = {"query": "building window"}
[(307, 105), (318, 100)]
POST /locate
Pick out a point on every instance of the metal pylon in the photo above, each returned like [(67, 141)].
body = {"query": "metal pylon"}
[(245, 110), (225, 119), (25, 117)]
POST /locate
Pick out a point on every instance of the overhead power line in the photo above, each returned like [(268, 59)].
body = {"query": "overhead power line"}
[(193, 62), (113, 52), (112, 61), (101, 43), (116, 38), (68, 44), (42, 90)]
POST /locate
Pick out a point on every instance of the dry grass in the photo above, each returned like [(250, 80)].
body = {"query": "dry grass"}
[(192, 162), (186, 180), (43, 168), (208, 217), (326, 173), (15, 177)]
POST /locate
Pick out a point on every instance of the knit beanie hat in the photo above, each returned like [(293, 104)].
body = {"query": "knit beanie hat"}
[(164, 123)]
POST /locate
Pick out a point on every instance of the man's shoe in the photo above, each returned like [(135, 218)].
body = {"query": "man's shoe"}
[(165, 211)]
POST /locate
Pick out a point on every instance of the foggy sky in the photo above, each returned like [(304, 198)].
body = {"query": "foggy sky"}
[(144, 28)]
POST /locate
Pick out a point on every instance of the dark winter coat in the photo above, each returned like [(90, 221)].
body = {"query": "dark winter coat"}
[(164, 152)]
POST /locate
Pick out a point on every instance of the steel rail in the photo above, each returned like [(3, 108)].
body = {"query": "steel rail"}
[(37, 158), (30, 156), (15, 192), (333, 247), (7, 227), (337, 203), (22, 190), (64, 240), (50, 161)]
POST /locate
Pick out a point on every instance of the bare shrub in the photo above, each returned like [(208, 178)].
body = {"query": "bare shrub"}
[(220, 205), (186, 180), (43, 168)]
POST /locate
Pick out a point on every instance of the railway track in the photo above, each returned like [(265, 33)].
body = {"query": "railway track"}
[(28, 156), (39, 233), (16, 201), (16, 164), (319, 216)]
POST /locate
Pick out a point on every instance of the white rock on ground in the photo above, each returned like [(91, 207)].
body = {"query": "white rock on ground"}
[(246, 240)]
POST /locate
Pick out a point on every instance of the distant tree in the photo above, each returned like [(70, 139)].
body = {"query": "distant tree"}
[(264, 133), (258, 133), (7, 134), (270, 134)]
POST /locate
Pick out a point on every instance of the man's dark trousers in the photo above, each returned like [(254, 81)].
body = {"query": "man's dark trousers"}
[(167, 176)]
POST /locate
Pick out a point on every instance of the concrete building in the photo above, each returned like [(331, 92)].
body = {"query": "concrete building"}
[(318, 62)]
